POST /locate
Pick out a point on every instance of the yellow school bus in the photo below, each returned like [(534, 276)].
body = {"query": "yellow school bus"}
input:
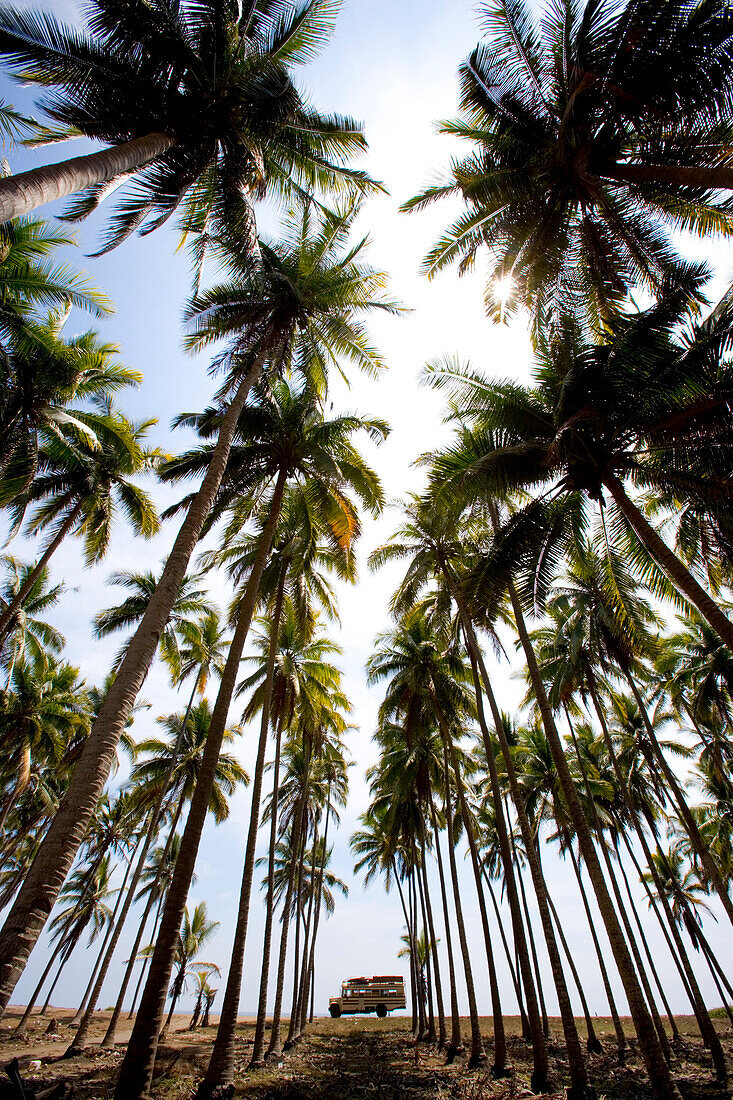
[(380, 994)]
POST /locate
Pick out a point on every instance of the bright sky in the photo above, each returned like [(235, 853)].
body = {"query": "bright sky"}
[(393, 66)]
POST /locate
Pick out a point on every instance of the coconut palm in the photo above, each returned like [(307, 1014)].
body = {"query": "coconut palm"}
[(195, 931), (199, 113), (592, 130), (32, 637), (81, 488), (277, 315)]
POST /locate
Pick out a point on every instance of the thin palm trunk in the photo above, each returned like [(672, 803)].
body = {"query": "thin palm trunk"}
[(513, 969), (108, 1041), (26, 191), (319, 901), (146, 960), (617, 1025), (530, 937), (64, 959), (303, 985), (292, 1024), (442, 1033), (456, 1041), (258, 1048), (56, 853), (711, 867), (498, 1068), (430, 1035), (152, 831), (136, 1071), (657, 1067), (477, 1046), (579, 1085), (417, 967), (220, 1071), (274, 1048), (6, 619), (411, 953), (21, 1029), (707, 1028)]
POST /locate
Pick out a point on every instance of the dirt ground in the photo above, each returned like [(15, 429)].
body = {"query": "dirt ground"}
[(357, 1058)]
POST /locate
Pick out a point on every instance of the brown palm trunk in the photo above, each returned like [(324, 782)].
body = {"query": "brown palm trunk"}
[(220, 1071), (713, 178), (22, 193), (442, 1032), (513, 970), (56, 853), (152, 831), (318, 905), (670, 563), (108, 1041), (477, 1046), (258, 1049), (146, 960), (411, 952), (430, 1034), (498, 1068), (136, 1071), (300, 856), (456, 1041), (530, 938), (579, 1085), (301, 1011), (541, 1064), (274, 1048), (707, 1028), (20, 1030)]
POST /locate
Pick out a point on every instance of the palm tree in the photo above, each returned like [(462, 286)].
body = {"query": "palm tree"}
[(166, 775), (199, 113), (592, 129), (81, 488), (32, 638), (195, 931), (277, 316)]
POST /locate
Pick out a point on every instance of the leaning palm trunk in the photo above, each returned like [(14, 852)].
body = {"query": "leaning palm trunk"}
[(579, 1085), (657, 1067), (46, 876), (507, 954), (136, 1071), (711, 868), (226, 1071), (530, 939), (152, 831), (108, 1041), (411, 953), (430, 1036), (27, 191), (299, 855), (319, 901), (220, 1071), (498, 1069), (671, 564), (274, 1048), (707, 1028), (456, 1042), (477, 1046), (21, 1029), (6, 619), (133, 959), (302, 1003)]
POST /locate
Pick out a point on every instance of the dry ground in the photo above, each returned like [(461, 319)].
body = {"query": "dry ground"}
[(355, 1058)]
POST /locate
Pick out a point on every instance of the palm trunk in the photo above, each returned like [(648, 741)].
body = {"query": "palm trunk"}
[(274, 1048), (477, 1046), (319, 896), (707, 1028), (20, 1030), (26, 191), (136, 1071), (579, 1085), (430, 1035), (220, 1071), (670, 563), (65, 958), (411, 952), (56, 853), (657, 1067), (152, 831), (711, 867), (707, 178), (108, 1041), (442, 1033), (176, 993), (456, 1042), (303, 984), (513, 969), (196, 1012), (617, 1025), (6, 619), (532, 945), (258, 1048), (416, 964), (498, 1069), (133, 959), (299, 857), (540, 1068)]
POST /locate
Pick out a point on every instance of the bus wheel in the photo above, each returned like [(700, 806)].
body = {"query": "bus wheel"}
[(335, 1011), (381, 1011)]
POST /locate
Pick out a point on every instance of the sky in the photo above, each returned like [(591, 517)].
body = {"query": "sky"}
[(392, 66)]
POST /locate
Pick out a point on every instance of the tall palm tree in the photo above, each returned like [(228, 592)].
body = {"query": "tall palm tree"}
[(195, 931), (279, 317), (32, 638), (81, 489), (592, 129), (198, 111), (285, 437)]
